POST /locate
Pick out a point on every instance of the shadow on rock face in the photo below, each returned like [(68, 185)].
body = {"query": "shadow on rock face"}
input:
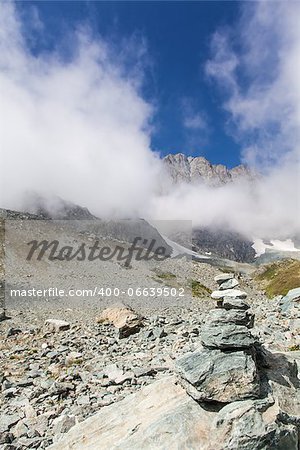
[(280, 369), (279, 378)]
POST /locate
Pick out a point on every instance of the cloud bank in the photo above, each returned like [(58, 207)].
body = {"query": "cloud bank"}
[(75, 127), (79, 127)]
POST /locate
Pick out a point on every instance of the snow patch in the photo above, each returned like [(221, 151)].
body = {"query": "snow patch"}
[(281, 246)]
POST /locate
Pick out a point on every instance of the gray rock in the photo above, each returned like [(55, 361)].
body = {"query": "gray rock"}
[(6, 438), (20, 429), (56, 325), (234, 303), (143, 371), (7, 421), (37, 425), (159, 416), (227, 337), (223, 277), (2, 314), (232, 316), (229, 284), (6, 385), (10, 393), (254, 425), (13, 332), (283, 372), (293, 296), (113, 372), (159, 332), (233, 293), (125, 377), (25, 382), (61, 388), (29, 443), (73, 358), (63, 424), (212, 375), (83, 400)]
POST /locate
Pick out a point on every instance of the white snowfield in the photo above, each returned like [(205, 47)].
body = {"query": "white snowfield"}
[(281, 246)]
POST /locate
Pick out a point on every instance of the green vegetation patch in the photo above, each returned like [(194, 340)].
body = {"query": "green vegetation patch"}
[(166, 275), (198, 289), (166, 278), (279, 277), (294, 348)]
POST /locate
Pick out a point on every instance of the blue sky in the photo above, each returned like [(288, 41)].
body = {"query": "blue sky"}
[(176, 36)]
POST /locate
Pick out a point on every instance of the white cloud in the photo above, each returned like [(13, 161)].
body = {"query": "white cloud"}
[(193, 119), (78, 129), (195, 122), (196, 126), (268, 208), (257, 66)]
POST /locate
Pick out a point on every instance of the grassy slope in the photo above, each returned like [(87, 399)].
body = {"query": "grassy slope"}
[(279, 277), (198, 289)]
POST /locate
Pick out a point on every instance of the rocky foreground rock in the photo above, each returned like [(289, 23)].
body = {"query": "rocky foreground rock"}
[(81, 385), (159, 416), (163, 415), (230, 394)]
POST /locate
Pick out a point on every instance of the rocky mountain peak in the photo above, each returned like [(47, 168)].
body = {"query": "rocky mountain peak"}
[(190, 169)]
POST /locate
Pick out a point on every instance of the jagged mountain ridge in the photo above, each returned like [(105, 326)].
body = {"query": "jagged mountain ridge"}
[(192, 169)]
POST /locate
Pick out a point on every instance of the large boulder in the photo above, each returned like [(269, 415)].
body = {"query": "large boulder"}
[(290, 300), (163, 416), (282, 370), (212, 375), (123, 318), (160, 416), (56, 325), (254, 425)]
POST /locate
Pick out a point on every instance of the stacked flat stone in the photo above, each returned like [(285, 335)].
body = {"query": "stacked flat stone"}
[(228, 325), (224, 370)]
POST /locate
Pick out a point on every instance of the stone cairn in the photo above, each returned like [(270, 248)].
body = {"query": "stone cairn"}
[(225, 368)]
